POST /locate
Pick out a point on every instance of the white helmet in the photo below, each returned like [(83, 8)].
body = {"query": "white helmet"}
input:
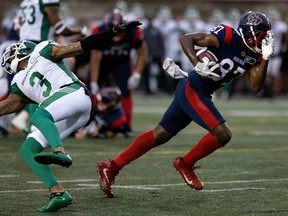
[(14, 54)]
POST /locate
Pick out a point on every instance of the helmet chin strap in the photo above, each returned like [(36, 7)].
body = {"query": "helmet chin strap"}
[(15, 63)]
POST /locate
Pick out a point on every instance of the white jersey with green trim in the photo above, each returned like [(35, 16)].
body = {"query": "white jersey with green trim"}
[(35, 24), (43, 76)]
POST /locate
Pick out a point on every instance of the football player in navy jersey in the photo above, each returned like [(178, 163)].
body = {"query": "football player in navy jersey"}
[(246, 49), (115, 60)]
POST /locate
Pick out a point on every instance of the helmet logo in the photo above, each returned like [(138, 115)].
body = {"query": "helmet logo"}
[(253, 19)]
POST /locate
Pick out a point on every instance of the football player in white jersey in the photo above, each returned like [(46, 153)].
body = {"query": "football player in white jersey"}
[(39, 19), (42, 78)]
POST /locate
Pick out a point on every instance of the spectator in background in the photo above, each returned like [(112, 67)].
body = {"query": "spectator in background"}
[(156, 49), (273, 84), (111, 65)]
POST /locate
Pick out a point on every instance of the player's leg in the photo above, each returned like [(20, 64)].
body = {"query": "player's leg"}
[(162, 133), (58, 197), (201, 109), (121, 74), (62, 105)]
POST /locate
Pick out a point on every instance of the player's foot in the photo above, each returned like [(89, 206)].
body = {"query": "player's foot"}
[(58, 158), (107, 171), (56, 201), (188, 174), (173, 69)]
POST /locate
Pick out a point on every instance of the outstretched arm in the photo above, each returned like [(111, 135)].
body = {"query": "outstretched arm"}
[(12, 104), (91, 42)]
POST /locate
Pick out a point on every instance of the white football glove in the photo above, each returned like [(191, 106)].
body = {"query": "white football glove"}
[(94, 88), (172, 69), (84, 31), (268, 46), (133, 81), (203, 68)]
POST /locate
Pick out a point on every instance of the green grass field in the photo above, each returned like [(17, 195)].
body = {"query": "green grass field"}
[(247, 177)]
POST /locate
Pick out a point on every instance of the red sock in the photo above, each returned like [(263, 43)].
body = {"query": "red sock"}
[(140, 146), (127, 105), (204, 147)]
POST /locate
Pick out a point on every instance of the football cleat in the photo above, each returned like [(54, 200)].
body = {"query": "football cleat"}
[(188, 174), (107, 171), (59, 158), (56, 201)]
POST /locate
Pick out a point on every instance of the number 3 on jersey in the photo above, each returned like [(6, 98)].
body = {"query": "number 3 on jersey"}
[(43, 81)]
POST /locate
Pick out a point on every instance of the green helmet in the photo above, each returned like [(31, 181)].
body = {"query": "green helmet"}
[(15, 53)]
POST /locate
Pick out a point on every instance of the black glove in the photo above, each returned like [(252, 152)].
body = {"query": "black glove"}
[(126, 27)]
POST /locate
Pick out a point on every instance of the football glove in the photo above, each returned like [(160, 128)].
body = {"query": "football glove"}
[(126, 27), (173, 69), (203, 68), (84, 31), (268, 46), (133, 81)]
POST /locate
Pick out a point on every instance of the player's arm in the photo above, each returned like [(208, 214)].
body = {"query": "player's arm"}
[(188, 41), (257, 75), (95, 61), (142, 56), (94, 41), (12, 104), (55, 20)]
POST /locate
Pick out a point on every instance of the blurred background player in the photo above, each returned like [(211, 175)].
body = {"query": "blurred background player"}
[(112, 65), (191, 22), (171, 32), (154, 76), (109, 119), (272, 85)]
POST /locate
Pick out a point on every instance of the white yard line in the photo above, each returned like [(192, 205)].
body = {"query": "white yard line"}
[(9, 176), (80, 186)]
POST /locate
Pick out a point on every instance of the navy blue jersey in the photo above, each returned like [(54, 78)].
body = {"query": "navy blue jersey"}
[(120, 50), (233, 59)]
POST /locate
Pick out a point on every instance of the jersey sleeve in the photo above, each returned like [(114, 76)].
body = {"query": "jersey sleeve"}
[(46, 50), (224, 33)]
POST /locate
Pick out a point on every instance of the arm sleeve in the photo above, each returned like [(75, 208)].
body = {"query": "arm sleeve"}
[(96, 41)]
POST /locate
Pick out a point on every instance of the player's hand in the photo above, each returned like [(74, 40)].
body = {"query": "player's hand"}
[(268, 46), (126, 27), (203, 68), (84, 31), (94, 88), (134, 80), (173, 69)]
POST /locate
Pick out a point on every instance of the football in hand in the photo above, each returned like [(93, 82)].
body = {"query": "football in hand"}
[(201, 53)]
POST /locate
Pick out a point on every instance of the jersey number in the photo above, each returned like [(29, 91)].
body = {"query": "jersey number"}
[(28, 14), (43, 81)]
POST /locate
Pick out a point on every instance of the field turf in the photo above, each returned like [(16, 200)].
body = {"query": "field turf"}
[(247, 177)]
